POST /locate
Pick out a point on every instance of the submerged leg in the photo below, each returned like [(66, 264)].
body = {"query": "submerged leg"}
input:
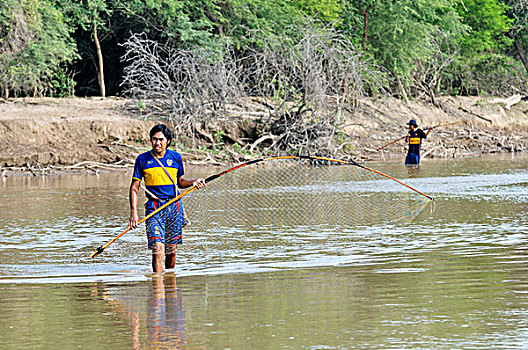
[(157, 257), (170, 256)]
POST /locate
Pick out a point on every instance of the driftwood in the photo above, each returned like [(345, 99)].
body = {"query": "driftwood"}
[(36, 169), (508, 102), (425, 154), (260, 140), (475, 114)]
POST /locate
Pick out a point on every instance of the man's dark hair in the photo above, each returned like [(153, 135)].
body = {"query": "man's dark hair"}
[(164, 129)]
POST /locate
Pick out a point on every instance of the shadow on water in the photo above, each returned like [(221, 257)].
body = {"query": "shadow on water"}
[(415, 304), (153, 310)]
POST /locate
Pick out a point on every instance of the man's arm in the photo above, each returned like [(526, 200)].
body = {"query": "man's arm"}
[(184, 183), (428, 131), (133, 200)]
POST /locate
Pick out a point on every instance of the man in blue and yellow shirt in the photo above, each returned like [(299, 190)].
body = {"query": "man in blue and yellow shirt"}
[(162, 169), (414, 139)]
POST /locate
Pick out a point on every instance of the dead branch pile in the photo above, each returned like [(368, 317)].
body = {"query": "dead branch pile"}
[(305, 89)]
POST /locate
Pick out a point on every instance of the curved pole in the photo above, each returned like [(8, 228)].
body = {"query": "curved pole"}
[(390, 143), (374, 171)]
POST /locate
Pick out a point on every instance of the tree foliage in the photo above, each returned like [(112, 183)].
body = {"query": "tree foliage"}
[(483, 66), (429, 47), (177, 22), (35, 49), (488, 25), (402, 35), (518, 13)]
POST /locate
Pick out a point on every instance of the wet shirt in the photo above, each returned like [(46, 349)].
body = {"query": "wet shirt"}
[(156, 180), (415, 140)]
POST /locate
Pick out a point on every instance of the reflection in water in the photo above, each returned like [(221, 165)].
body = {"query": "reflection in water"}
[(158, 324), (413, 170), (165, 320), (128, 312)]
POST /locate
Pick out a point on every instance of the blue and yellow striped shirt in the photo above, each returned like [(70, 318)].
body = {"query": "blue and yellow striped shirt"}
[(156, 180), (415, 141)]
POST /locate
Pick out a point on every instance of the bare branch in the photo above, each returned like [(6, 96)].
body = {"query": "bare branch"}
[(305, 85)]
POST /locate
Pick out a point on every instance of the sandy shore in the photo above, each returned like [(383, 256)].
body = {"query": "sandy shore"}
[(69, 135)]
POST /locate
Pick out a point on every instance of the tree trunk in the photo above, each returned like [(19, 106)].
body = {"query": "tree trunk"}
[(521, 52), (402, 91), (365, 25), (432, 95), (100, 62)]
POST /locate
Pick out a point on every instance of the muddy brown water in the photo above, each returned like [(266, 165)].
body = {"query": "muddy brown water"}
[(454, 278)]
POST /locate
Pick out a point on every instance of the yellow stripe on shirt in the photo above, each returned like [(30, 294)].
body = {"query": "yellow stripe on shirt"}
[(157, 177), (412, 141)]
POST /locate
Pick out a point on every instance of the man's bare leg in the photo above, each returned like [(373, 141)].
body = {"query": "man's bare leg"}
[(170, 256), (157, 257)]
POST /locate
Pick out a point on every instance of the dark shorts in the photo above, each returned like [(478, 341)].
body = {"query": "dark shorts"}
[(412, 158), (166, 225)]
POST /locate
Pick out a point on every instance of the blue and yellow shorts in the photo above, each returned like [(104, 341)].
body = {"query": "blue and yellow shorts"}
[(166, 225)]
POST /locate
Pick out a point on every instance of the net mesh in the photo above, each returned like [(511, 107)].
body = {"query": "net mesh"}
[(284, 194)]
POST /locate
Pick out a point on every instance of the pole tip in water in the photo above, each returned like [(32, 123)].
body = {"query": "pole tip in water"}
[(97, 252)]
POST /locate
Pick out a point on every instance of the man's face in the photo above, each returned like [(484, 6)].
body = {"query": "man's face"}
[(412, 126), (159, 143)]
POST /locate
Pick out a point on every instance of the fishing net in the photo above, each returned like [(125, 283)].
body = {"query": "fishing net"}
[(279, 204), (267, 210), (287, 193)]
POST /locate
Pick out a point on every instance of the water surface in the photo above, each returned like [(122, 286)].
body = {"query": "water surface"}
[(453, 278)]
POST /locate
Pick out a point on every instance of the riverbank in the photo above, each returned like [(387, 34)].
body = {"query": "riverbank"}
[(48, 136)]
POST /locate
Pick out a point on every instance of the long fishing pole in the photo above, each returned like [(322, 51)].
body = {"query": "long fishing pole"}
[(390, 143), (215, 176), (401, 138)]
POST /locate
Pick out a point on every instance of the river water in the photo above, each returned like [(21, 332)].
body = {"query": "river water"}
[(455, 278)]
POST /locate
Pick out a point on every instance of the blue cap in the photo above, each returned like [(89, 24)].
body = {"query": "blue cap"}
[(412, 122)]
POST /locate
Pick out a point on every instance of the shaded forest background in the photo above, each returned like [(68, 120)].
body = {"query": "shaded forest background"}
[(298, 68)]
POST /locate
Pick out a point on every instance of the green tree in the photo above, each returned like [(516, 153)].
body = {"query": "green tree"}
[(328, 11), (35, 47), (90, 16), (356, 18), (518, 12), (102, 26), (488, 25), (482, 66), (267, 16), (400, 33), (179, 22)]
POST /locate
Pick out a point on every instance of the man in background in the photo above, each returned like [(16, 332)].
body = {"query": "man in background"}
[(414, 139)]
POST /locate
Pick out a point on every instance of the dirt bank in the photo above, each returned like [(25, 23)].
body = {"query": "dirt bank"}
[(63, 132), (51, 136)]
